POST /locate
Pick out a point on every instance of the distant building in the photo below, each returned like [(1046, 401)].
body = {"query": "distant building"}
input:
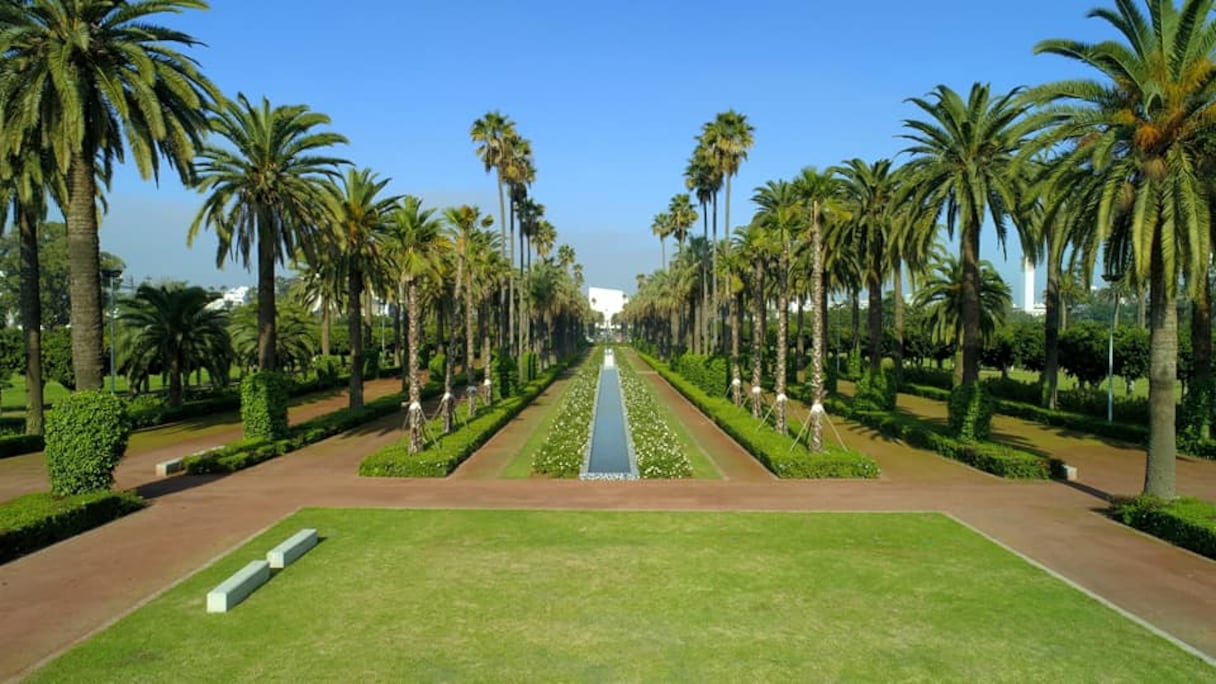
[(231, 297), (608, 302)]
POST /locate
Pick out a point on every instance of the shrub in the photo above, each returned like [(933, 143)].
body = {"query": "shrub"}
[(778, 452), (57, 357), (329, 371), (970, 413), (264, 405), (436, 365), (710, 373), (876, 391), (565, 446), (17, 445), (1015, 390), (86, 435), (658, 450), (506, 374), (931, 377), (1187, 522), (531, 368), (35, 521)]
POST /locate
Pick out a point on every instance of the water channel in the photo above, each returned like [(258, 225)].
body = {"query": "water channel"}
[(611, 453)]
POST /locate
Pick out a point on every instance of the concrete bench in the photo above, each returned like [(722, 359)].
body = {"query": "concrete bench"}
[(297, 545), (167, 468), (1070, 473), (238, 587)]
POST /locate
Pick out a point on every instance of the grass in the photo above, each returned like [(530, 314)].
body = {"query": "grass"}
[(612, 596), (520, 467), (703, 467)]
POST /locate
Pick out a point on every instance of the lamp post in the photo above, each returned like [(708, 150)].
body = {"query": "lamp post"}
[(113, 274), (1112, 280)]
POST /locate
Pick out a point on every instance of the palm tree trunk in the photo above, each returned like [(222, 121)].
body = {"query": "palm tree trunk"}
[(354, 284), (819, 294), (898, 301), (31, 320), (971, 304), (855, 303), (782, 332), (85, 273), (175, 378), (706, 321), (326, 327), (716, 302), (1201, 352), (485, 361), (470, 377), (875, 311), (1051, 350), (799, 338), (403, 312), (415, 405), (1159, 472), (446, 344), (266, 301), (736, 384), (757, 333)]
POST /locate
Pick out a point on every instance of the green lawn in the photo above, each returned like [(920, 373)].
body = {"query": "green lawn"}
[(611, 596)]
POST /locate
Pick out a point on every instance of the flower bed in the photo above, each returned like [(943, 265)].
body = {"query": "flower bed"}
[(562, 453), (659, 453)]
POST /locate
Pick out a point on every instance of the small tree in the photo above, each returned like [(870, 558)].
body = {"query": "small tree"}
[(1083, 352)]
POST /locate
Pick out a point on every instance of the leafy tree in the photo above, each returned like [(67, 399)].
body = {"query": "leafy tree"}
[(1132, 353), (54, 275), (1000, 350), (12, 358), (79, 76), (264, 193), (295, 335), (1083, 352)]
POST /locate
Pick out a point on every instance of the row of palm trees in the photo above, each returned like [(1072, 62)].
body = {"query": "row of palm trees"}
[(85, 83), (1114, 169)]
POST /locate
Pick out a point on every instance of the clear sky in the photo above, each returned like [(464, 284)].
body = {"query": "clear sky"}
[(610, 93)]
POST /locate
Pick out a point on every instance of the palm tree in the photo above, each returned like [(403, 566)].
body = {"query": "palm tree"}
[(295, 336), (781, 215), (940, 297), (701, 177), (1142, 125), (318, 286), (965, 164), (172, 327), (756, 247), (467, 232), (727, 140), (415, 245), (78, 75), (356, 211), (662, 227), (683, 217), (265, 193)]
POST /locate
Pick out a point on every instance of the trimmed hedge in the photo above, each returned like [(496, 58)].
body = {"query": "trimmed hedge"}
[(998, 459), (85, 437), (17, 445), (710, 373), (776, 451), (264, 405), (35, 521), (452, 449), (1186, 522)]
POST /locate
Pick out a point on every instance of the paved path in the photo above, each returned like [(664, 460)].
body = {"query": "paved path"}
[(27, 473), (53, 598)]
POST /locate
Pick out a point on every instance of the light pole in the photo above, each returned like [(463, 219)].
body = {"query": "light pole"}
[(113, 274), (1112, 280)]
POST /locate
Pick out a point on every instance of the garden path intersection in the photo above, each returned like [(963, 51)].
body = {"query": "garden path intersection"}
[(56, 597)]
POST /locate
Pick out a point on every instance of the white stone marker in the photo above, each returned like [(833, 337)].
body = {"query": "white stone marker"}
[(297, 545), (238, 587)]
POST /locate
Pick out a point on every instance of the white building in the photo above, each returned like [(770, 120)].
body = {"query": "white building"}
[(231, 297), (606, 301)]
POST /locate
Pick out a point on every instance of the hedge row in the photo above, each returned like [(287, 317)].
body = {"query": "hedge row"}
[(451, 450), (1187, 522), (150, 410), (35, 521), (247, 453), (569, 438), (778, 452), (989, 457)]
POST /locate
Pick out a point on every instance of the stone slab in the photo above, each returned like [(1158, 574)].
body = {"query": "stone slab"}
[(297, 545), (167, 468), (238, 587)]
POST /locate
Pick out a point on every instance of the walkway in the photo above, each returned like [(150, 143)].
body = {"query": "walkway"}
[(58, 596)]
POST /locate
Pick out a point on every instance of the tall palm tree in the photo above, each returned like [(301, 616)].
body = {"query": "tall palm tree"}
[(264, 192), (940, 297), (702, 179), (683, 217), (727, 140), (757, 247), (781, 215), (965, 164), (318, 286), (416, 244), (1139, 125), (79, 75), (467, 231), (662, 227), (356, 212), (173, 327)]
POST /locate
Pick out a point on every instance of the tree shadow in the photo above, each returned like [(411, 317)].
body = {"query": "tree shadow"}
[(178, 483)]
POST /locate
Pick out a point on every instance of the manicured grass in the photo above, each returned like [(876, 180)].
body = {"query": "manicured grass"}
[(610, 596), (520, 467), (703, 467)]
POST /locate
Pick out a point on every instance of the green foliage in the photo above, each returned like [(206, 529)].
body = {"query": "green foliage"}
[(876, 391), (264, 405), (658, 450), (506, 374), (57, 357), (1008, 388), (1131, 353), (86, 435), (1198, 408), (1186, 522), (53, 274), (569, 437), (853, 364), (435, 366), (710, 373), (970, 413), (531, 367), (35, 521), (16, 445), (12, 355), (371, 366), (329, 371), (778, 452), (1029, 344), (445, 455), (1084, 349)]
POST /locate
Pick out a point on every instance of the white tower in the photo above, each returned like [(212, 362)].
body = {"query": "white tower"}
[(1028, 285)]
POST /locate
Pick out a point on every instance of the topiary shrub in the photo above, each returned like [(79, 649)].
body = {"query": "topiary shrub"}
[(371, 366), (264, 405), (506, 374), (1198, 407), (86, 435), (876, 391), (970, 413), (435, 366)]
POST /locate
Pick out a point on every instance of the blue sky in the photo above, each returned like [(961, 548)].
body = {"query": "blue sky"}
[(610, 93)]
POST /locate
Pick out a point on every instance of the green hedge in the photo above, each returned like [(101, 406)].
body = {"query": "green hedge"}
[(776, 451), (990, 457), (17, 445), (710, 373), (35, 521), (1187, 522), (451, 450), (85, 437), (250, 452), (264, 405)]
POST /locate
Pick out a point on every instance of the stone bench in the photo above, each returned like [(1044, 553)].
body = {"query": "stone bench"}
[(237, 587), (167, 468), (1070, 473), (297, 545)]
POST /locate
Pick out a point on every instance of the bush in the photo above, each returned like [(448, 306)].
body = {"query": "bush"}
[(930, 377), (371, 365), (17, 445), (436, 366), (657, 449), (57, 358), (264, 405), (876, 391), (710, 373), (506, 375), (531, 368), (566, 445), (1187, 522), (970, 413), (86, 435), (329, 371), (35, 521), (1015, 390), (778, 452), (451, 450)]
